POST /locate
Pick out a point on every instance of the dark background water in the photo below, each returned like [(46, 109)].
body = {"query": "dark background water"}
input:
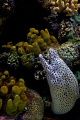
[(27, 14)]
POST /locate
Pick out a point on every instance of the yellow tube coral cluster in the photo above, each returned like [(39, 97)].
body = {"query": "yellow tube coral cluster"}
[(69, 7), (37, 43), (12, 94)]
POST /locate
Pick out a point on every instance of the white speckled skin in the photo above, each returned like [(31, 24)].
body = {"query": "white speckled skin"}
[(62, 82)]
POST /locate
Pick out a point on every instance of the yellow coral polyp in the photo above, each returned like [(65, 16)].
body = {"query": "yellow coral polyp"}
[(13, 48), (21, 51), (22, 102), (42, 33), (9, 46), (66, 1), (21, 84), (11, 78), (29, 35), (6, 72), (75, 1), (32, 29), (36, 48), (11, 83), (40, 41), (25, 44), (21, 80), (21, 105), (33, 36), (43, 47), (11, 107), (30, 48), (3, 77), (53, 40), (16, 100), (46, 36), (16, 90), (4, 90), (36, 31), (23, 89), (19, 44)]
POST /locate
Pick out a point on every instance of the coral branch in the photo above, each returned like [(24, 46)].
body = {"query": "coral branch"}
[(69, 7)]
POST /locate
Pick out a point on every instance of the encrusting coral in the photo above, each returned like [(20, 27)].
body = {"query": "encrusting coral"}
[(69, 52), (12, 94), (69, 7), (62, 82)]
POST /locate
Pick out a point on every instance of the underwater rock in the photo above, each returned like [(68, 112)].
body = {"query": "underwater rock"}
[(62, 82), (13, 60), (69, 52), (35, 109)]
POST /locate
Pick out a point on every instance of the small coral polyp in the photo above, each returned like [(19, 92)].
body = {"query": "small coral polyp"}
[(12, 94)]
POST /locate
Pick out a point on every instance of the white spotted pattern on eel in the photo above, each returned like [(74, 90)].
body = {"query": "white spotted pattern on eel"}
[(62, 82)]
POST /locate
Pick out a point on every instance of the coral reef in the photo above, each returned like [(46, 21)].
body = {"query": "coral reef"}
[(34, 108), (27, 53), (58, 15), (69, 7), (18, 101), (68, 30), (29, 61), (40, 41), (62, 82), (12, 94)]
